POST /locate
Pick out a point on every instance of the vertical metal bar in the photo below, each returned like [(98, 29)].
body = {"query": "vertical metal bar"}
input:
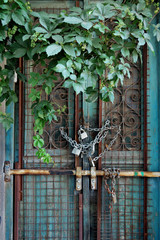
[(2, 183), (77, 3), (145, 138), (80, 216), (99, 197), (18, 165), (76, 125)]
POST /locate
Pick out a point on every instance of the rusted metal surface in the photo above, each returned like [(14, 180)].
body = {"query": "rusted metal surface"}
[(145, 57), (80, 172), (76, 125), (80, 216), (99, 197), (18, 165), (93, 178)]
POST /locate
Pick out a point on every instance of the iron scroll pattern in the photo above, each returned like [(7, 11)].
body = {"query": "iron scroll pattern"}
[(126, 112), (51, 135), (59, 97)]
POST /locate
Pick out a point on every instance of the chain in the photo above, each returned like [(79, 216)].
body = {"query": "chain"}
[(96, 129), (89, 148), (111, 173), (109, 146)]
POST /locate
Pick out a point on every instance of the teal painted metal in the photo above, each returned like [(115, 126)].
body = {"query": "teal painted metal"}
[(154, 133), (9, 152)]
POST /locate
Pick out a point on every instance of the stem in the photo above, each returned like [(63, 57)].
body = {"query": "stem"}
[(154, 17)]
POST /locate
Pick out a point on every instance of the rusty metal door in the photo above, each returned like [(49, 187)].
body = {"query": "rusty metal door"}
[(49, 207)]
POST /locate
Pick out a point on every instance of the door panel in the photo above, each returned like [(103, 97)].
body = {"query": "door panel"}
[(49, 208)]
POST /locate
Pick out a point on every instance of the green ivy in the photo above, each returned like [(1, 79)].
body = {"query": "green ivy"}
[(79, 46)]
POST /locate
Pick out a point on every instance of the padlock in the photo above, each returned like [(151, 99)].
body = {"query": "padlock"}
[(114, 198), (76, 151), (83, 134)]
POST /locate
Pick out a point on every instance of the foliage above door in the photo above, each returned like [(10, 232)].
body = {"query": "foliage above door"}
[(79, 46)]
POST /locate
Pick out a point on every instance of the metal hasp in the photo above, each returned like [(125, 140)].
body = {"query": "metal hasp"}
[(93, 178), (78, 178), (7, 167)]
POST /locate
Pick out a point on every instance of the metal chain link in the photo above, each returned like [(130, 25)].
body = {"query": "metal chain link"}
[(111, 173), (90, 147), (109, 146)]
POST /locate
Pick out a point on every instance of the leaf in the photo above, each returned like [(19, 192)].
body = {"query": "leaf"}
[(53, 49), (68, 84), (76, 9), (87, 25), (58, 38), (66, 73), (150, 46), (48, 90), (134, 56), (18, 18), (125, 52), (40, 30), (26, 37), (92, 97), (72, 20), (77, 87), (78, 66), (141, 41), (69, 63), (73, 77), (20, 52), (80, 39), (6, 19), (69, 50), (111, 96), (59, 67)]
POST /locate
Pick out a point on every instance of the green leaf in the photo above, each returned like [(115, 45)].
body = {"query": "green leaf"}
[(59, 68), (77, 87), (48, 90), (6, 19), (58, 38), (26, 37), (40, 30), (68, 84), (111, 96), (18, 18), (80, 39), (69, 50), (87, 25), (65, 73), (150, 46), (69, 63), (125, 52), (73, 77), (134, 56), (72, 20), (53, 49), (20, 52), (76, 9), (92, 97), (78, 66)]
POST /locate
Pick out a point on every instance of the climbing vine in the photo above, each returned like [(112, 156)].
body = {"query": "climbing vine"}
[(79, 46)]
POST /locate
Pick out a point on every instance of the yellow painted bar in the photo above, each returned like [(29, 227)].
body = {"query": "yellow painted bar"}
[(83, 173)]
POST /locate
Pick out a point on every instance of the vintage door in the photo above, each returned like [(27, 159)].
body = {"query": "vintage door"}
[(50, 207)]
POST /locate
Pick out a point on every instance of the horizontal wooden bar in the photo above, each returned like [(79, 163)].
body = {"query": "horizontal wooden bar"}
[(83, 173)]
